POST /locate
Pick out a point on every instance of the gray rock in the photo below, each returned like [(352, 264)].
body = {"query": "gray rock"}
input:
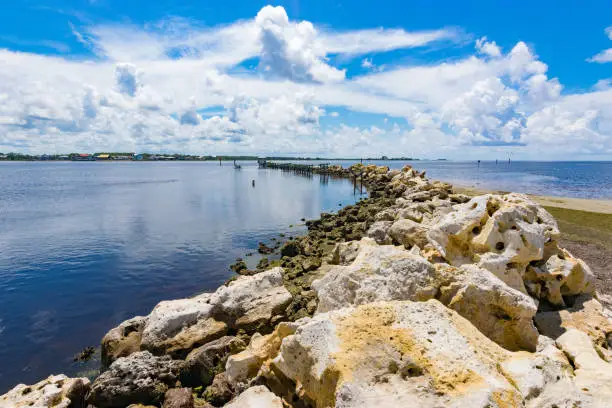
[(379, 232), (138, 378)]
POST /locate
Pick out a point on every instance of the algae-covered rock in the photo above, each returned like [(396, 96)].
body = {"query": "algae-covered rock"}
[(290, 249), (219, 392)]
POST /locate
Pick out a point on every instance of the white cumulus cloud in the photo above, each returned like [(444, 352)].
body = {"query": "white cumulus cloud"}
[(605, 55), (292, 50), (489, 48), (262, 85)]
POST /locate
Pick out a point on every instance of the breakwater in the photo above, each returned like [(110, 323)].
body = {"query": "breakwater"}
[(415, 295)]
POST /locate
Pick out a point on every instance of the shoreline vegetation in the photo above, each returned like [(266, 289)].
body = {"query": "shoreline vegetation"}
[(421, 294)]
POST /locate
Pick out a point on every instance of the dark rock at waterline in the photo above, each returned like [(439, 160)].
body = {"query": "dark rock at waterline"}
[(139, 378), (290, 249), (238, 266), (263, 263), (204, 363), (264, 249), (178, 398), (85, 355)]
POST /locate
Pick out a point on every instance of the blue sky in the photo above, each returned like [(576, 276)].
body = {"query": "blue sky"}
[(397, 78)]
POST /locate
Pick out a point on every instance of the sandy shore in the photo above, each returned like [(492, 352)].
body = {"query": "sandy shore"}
[(581, 204)]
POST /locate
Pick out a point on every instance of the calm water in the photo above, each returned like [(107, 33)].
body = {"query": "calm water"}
[(84, 246), (563, 179)]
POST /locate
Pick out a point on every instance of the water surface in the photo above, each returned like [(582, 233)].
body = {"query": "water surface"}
[(84, 246), (561, 179)]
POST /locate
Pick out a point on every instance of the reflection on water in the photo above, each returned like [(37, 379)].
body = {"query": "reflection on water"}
[(84, 246)]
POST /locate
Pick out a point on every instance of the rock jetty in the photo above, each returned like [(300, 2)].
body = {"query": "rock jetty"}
[(415, 296)]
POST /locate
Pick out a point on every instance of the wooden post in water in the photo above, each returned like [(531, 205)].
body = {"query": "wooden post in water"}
[(361, 184)]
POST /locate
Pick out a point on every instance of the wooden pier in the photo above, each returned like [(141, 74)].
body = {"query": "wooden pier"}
[(306, 169)]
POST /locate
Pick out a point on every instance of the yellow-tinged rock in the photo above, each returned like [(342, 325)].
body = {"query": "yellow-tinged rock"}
[(396, 354)]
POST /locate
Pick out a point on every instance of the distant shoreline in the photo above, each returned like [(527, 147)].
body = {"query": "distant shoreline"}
[(108, 157)]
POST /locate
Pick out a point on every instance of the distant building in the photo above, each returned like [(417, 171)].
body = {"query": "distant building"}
[(138, 157), (83, 157), (103, 156), (3, 156)]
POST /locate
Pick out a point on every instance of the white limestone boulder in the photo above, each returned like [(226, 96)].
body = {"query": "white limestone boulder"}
[(386, 272), (252, 301), (544, 379), (593, 376), (57, 391), (503, 314), (560, 275), (176, 327), (256, 397), (502, 234), (379, 272)]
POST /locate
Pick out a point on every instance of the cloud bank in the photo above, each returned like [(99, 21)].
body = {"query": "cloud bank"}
[(271, 85)]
